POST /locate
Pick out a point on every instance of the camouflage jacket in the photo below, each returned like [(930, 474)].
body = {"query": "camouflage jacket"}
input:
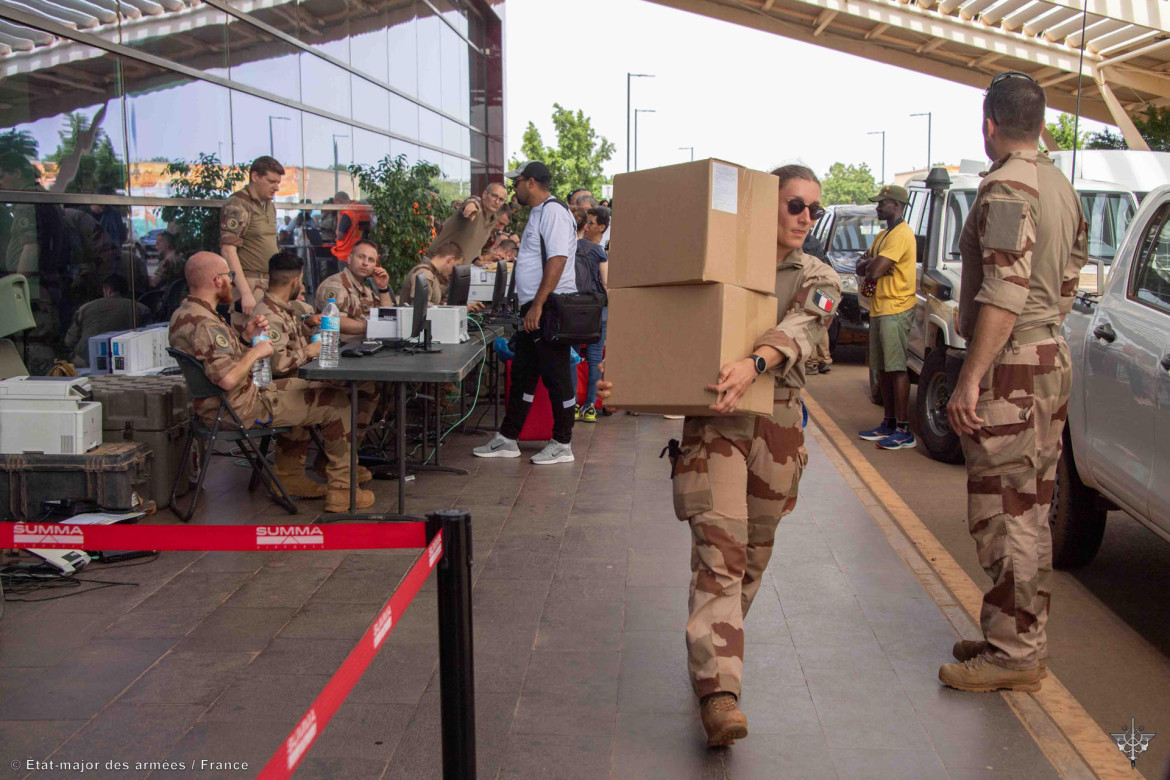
[(198, 330), (436, 289), (1023, 244), (287, 334), (807, 294), (353, 297), (250, 226)]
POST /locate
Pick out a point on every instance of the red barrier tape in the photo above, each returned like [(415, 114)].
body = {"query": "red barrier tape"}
[(352, 536), (286, 759)]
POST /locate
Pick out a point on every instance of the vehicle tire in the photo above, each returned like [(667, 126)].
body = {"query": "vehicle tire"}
[(934, 391), (834, 334), (875, 385), (1076, 518)]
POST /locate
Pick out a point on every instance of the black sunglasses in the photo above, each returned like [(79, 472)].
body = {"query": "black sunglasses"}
[(999, 79), (796, 206)]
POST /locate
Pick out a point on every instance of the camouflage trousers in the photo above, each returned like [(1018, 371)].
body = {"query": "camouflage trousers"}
[(1011, 475), (299, 403), (821, 355), (736, 477)]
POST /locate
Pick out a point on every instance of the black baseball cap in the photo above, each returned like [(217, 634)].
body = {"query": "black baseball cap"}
[(533, 169)]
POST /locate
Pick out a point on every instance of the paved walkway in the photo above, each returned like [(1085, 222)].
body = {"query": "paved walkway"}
[(580, 602)]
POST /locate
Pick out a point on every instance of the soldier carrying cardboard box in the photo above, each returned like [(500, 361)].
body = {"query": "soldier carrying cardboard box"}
[(735, 477)]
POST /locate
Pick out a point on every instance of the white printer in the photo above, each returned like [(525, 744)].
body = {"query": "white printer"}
[(483, 284), (100, 359), (45, 414), (448, 323)]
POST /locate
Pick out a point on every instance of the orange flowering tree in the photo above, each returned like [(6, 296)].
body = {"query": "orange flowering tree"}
[(407, 210)]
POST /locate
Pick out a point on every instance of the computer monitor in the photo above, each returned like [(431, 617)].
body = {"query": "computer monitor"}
[(460, 286), (422, 294), (511, 288), (501, 286)]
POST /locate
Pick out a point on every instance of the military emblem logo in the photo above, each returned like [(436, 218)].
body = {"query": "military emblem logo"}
[(1133, 741), (221, 340)]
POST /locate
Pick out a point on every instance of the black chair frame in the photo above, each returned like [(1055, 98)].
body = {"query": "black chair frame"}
[(253, 442)]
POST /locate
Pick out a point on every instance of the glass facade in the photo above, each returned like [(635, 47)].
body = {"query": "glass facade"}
[(119, 121)]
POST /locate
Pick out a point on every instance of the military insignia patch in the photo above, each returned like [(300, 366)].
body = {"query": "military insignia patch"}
[(232, 223), (822, 302), (221, 340), (273, 335)]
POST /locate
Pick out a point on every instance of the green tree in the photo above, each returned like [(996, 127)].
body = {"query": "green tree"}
[(205, 179), (1155, 128), (407, 210), (1106, 139), (98, 167), (579, 154), (1063, 131), (847, 184), (19, 141)]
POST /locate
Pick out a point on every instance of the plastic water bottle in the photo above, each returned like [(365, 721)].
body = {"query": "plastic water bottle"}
[(330, 335), (262, 368)]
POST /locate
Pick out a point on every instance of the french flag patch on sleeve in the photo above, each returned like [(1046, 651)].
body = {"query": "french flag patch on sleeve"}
[(823, 302)]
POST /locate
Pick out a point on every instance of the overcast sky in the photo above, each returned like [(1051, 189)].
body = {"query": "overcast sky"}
[(746, 96)]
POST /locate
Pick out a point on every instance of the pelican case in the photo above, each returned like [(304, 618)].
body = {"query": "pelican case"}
[(114, 475), (154, 410)]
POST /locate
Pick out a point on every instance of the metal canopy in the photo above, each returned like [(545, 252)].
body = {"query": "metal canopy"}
[(1126, 43)]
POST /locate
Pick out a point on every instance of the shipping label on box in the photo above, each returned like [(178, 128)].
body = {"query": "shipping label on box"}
[(695, 223), (666, 344)]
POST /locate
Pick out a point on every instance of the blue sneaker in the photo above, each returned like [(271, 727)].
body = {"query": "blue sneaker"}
[(877, 434), (899, 440)]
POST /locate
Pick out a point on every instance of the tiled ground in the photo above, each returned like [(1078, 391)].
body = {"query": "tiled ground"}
[(580, 601)]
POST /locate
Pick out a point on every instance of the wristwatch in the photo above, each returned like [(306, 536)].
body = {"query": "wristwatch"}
[(760, 363), (383, 290)]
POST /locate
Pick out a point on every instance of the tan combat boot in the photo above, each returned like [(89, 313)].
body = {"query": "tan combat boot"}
[(978, 675), (364, 474), (722, 719), (290, 470), (966, 649), (337, 499)]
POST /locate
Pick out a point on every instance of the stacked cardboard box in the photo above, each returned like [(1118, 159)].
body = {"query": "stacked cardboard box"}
[(692, 284)]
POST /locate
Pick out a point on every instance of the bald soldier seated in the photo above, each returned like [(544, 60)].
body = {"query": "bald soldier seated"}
[(197, 329)]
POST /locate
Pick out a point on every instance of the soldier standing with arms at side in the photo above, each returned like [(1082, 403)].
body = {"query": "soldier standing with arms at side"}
[(247, 233), (736, 477), (1023, 246)]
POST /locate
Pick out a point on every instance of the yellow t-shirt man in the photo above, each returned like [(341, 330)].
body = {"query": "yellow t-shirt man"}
[(895, 290)]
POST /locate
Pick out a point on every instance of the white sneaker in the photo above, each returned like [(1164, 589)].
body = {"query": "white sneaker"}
[(554, 452), (498, 447)]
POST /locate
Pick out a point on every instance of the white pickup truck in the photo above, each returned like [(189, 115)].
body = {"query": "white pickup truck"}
[(1117, 441)]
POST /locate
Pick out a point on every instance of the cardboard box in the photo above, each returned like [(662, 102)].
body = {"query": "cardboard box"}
[(666, 344), (695, 223)]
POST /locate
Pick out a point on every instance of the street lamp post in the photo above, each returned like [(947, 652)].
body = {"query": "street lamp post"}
[(336, 187), (271, 144), (929, 122), (692, 150), (628, 77), (882, 133), (636, 112)]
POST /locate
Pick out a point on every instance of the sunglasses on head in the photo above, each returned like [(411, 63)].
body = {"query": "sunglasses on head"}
[(796, 206), (999, 79)]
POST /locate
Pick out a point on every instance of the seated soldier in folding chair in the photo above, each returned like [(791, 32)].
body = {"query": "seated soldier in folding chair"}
[(199, 331), (291, 335)]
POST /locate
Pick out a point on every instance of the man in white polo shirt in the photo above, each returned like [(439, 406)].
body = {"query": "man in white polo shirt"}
[(542, 268)]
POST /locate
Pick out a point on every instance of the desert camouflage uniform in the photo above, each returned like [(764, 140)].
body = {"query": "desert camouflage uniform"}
[(354, 297), (198, 330), (436, 285), (250, 226), (1023, 246), (737, 476), (820, 356), (290, 341)]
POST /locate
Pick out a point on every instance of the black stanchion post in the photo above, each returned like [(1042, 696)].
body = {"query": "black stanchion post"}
[(456, 667)]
